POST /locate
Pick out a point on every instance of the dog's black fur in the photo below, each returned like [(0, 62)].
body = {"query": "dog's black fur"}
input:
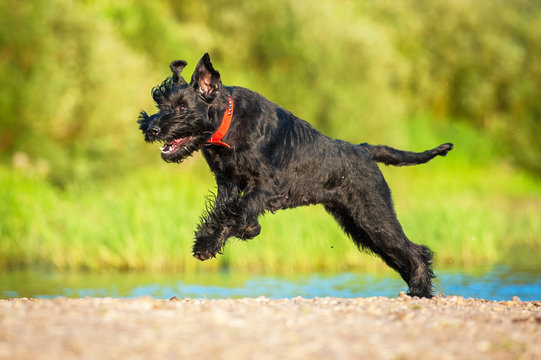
[(278, 161)]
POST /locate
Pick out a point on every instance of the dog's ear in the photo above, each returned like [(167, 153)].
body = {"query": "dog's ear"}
[(205, 79), (176, 67)]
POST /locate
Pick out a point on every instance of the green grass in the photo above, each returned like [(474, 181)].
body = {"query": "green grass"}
[(469, 215)]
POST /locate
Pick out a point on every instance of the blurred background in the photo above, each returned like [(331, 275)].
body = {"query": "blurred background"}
[(80, 190)]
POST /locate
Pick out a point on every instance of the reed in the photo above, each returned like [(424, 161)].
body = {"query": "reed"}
[(468, 216)]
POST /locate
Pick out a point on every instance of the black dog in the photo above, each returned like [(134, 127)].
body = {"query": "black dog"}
[(265, 158)]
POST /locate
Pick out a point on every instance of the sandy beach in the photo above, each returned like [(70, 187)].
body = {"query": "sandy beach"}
[(261, 328)]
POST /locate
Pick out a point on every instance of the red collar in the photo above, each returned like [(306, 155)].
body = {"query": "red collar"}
[(216, 138)]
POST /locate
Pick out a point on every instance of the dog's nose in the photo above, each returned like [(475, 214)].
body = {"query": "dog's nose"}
[(153, 130)]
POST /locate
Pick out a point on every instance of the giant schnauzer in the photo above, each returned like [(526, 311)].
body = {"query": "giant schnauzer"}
[(264, 158)]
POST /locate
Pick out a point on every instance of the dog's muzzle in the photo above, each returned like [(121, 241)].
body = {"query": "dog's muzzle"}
[(153, 130)]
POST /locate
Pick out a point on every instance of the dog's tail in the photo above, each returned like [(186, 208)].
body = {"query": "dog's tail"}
[(390, 156)]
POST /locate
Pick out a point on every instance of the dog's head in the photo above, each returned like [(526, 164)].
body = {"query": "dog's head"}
[(188, 114)]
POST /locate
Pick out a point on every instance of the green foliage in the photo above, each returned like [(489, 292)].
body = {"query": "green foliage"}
[(412, 74), (75, 74), (474, 61), (68, 89), (365, 66)]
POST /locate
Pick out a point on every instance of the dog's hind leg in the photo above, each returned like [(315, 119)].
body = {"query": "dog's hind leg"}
[(383, 235)]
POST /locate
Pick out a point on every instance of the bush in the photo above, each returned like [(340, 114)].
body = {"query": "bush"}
[(75, 74)]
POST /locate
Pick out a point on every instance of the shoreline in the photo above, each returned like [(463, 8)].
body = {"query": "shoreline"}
[(320, 328)]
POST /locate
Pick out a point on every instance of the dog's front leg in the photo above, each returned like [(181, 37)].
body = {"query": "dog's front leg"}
[(250, 205), (215, 224), (234, 214)]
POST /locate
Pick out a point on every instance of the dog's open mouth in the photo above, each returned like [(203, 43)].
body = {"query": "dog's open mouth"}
[(172, 146)]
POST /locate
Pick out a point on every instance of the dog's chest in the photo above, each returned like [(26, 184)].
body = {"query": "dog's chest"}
[(232, 166)]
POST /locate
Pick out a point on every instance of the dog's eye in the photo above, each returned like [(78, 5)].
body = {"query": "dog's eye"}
[(181, 108)]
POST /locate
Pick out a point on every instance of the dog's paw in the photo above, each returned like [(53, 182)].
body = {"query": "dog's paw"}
[(203, 254), (249, 231), (204, 249)]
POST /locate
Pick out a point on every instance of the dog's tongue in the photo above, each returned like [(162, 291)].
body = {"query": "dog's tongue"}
[(176, 142), (179, 141), (173, 145)]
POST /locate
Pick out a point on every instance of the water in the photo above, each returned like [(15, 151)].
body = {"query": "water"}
[(498, 284)]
